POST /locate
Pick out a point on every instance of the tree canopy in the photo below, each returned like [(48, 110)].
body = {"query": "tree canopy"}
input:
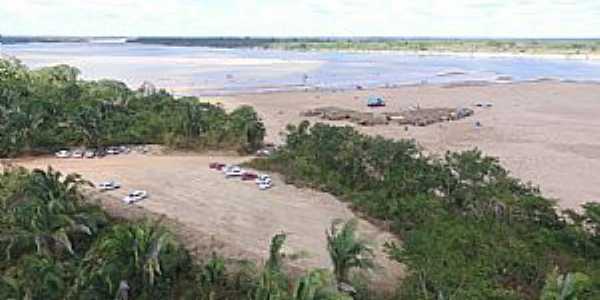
[(51, 108), (469, 230)]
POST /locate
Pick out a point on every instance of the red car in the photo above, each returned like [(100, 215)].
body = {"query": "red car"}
[(216, 166), (249, 176)]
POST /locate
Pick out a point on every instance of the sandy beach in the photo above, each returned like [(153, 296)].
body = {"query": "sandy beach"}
[(546, 132)]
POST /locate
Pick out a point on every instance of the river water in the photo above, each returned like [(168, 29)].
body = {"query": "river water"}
[(206, 71)]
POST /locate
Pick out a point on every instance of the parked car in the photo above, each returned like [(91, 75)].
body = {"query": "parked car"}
[(249, 176), (374, 101), (135, 196), (262, 178), (143, 149), (63, 154), (226, 168), (108, 185), (216, 166), (233, 171), (112, 151), (264, 152), (77, 154), (89, 154), (267, 184), (100, 153), (124, 150)]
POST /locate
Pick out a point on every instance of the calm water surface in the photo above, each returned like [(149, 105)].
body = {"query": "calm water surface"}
[(204, 71)]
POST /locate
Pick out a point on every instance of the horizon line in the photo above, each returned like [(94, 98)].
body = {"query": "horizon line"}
[(415, 37)]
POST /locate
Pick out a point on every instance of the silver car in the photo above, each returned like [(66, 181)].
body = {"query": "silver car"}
[(135, 196), (108, 185)]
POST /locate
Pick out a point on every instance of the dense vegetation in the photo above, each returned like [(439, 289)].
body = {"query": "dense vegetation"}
[(566, 47), (534, 46), (50, 108), (7, 40), (469, 230), (55, 245)]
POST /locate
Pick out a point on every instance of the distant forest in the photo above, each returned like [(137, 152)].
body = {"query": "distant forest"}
[(533, 46)]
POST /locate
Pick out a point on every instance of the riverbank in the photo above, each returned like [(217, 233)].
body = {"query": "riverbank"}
[(594, 56), (545, 132)]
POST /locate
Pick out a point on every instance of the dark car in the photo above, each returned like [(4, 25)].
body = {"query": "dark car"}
[(249, 176), (216, 166), (100, 153)]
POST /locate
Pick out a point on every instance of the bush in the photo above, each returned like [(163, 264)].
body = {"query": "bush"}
[(470, 231), (50, 108)]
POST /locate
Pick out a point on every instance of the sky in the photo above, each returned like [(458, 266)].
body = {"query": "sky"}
[(406, 18)]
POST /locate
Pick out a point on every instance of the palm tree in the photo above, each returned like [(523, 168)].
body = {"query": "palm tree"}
[(571, 286), (318, 285), (52, 186), (272, 284), (129, 255), (212, 276), (268, 287), (34, 277), (46, 215), (275, 256), (346, 250)]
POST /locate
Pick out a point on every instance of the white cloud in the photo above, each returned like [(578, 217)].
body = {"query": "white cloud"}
[(496, 18)]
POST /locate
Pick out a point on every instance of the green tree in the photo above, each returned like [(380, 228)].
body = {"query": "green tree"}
[(34, 277), (139, 256), (275, 260), (247, 128), (570, 286), (88, 121), (213, 277), (346, 250), (46, 215)]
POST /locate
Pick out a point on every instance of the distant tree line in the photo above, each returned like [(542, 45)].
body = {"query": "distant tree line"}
[(7, 40), (51, 108), (534, 46), (468, 229)]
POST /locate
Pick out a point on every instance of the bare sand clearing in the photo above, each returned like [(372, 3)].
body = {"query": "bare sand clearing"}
[(232, 215), (544, 132)]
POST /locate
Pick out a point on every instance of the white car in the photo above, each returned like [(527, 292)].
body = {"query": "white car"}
[(77, 154), (89, 154), (226, 168), (233, 171), (135, 196), (263, 153), (113, 151), (262, 178), (63, 154), (264, 182), (124, 150), (108, 185), (267, 184)]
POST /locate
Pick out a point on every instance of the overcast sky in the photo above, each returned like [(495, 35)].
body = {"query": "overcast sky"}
[(440, 18)]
